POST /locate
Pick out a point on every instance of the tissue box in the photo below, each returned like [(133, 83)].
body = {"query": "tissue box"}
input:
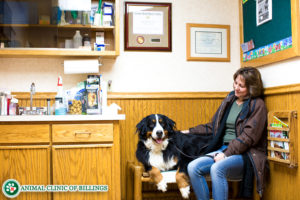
[(108, 13), (108, 8), (107, 20), (112, 109), (100, 37)]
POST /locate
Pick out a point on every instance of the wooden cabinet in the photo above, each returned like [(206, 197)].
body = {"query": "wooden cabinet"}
[(28, 164), (83, 165), (78, 153), (27, 33), (89, 160)]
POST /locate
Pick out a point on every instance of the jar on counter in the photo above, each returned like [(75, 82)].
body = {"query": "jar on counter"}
[(86, 40)]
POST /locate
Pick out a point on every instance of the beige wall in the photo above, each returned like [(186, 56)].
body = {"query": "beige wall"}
[(156, 71), (282, 73), (17, 74), (144, 71)]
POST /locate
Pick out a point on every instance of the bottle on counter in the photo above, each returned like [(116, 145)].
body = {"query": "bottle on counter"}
[(59, 106), (48, 107), (5, 97), (8, 99), (77, 39), (60, 100), (13, 106), (60, 89)]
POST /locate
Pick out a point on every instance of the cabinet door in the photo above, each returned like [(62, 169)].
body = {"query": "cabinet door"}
[(83, 165), (29, 165)]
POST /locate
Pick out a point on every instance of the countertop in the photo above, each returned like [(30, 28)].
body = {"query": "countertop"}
[(49, 118)]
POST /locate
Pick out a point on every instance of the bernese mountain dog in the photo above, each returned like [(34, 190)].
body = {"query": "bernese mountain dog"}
[(162, 148)]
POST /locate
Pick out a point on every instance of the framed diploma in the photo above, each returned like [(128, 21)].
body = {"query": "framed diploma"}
[(148, 26), (208, 42)]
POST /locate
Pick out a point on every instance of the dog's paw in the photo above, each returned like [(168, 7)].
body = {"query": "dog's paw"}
[(162, 185), (185, 192)]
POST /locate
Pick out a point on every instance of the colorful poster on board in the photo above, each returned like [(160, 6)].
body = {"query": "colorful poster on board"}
[(268, 49)]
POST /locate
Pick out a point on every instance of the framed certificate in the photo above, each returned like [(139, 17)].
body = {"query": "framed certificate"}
[(148, 26), (208, 42)]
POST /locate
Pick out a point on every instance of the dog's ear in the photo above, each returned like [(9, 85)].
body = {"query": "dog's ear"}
[(141, 127), (171, 125)]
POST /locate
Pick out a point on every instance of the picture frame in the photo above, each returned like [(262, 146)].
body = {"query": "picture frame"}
[(148, 26), (208, 42)]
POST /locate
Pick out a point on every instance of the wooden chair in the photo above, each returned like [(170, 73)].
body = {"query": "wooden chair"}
[(138, 176)]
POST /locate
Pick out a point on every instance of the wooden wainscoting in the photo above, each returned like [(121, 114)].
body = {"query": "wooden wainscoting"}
[(284, 182), (186, 109), (190, 109)]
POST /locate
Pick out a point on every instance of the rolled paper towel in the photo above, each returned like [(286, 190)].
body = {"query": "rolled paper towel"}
[(82, 5), (81, 66)]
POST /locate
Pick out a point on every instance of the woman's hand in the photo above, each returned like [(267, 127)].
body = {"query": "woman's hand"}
[(185, 131), (219, 156)]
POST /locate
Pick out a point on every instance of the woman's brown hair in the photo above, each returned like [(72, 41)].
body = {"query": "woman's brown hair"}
[(252, 79)]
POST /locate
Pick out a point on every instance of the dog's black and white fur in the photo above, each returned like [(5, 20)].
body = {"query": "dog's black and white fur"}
[(162, 148)]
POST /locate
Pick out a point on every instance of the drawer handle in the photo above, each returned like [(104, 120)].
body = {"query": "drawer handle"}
[(82, 133)]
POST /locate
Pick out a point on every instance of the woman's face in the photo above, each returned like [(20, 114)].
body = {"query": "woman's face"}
[(240, 88)]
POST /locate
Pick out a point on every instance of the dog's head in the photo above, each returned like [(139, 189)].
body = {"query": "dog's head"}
[(156, 127)]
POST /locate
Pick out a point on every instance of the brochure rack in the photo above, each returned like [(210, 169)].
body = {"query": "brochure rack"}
[(282, 137)]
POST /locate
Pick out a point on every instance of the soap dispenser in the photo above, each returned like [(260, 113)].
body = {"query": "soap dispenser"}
[(77, 39)]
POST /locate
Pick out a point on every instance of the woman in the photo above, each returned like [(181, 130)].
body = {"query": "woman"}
[(239, 140)]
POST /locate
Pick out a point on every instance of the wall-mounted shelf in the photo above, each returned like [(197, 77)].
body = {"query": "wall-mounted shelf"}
[(282, 137), (59, 26), (20, 52), (26, 37)]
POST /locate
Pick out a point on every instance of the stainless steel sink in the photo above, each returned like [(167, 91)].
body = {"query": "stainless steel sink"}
[(33, 111)]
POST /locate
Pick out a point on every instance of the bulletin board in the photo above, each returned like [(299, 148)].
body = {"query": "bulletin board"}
[(274, 40)]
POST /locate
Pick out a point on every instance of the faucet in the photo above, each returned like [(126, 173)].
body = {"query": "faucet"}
[(32, 92)]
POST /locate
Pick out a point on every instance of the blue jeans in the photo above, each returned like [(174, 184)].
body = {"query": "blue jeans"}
[(230, 167)]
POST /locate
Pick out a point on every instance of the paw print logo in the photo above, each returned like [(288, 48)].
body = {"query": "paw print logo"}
[(11, 188)]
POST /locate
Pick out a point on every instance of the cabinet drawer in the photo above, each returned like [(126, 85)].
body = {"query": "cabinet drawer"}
[(24, 133), (82, 132)]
